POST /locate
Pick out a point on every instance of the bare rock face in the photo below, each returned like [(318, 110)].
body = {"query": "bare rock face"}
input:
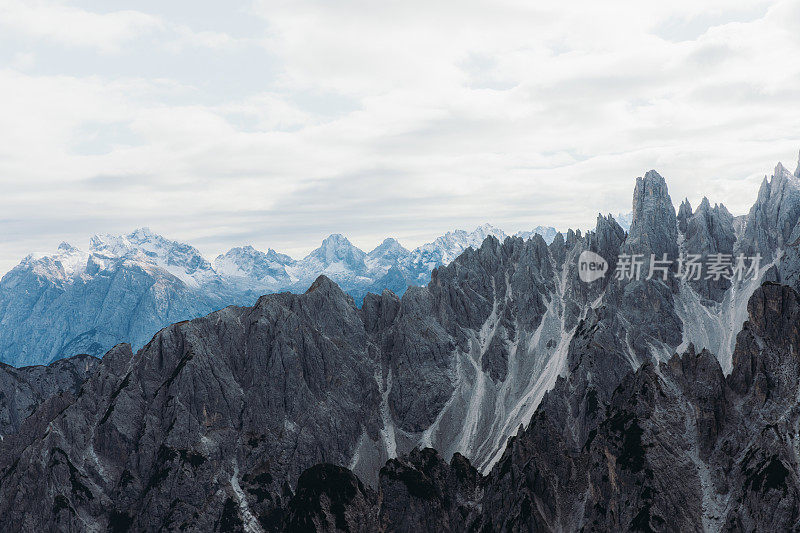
[(677, 446), (773, 218), (772, 228), (654, 226), (684, 212), (233, 407), (228, 407), (22, 390), (708, 231)]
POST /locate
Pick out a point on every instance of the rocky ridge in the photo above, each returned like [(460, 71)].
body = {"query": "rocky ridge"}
[(216, 422)]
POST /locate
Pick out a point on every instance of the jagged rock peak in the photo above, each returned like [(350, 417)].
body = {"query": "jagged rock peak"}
[(651, 185), (774, 216), (330, 498), (684, 213), (606, 219), (607, 236), (797, 171), (247, 262), (607, 225), (323, 282), (781, 177), (654, 227), (492, 243), (142, 243), (23, 390), (717, 210)]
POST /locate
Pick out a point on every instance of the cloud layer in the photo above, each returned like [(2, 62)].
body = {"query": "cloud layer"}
[(276, 123)]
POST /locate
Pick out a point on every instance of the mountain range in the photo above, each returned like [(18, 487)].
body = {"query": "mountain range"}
[(505, 395), (125, 288)]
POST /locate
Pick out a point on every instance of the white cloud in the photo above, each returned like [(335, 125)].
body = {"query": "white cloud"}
[(72, 26), (404, 118)]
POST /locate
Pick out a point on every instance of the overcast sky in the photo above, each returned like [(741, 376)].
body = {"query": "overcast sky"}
[(276, 123)]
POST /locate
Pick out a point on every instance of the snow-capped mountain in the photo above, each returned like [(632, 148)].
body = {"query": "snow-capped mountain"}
[(444, 249), (337, 258), (247, 265), (143, 246), (624, 220), (389, 265), (61, 267), (127, 287), (386, 255), (548, 233), (124, 288)]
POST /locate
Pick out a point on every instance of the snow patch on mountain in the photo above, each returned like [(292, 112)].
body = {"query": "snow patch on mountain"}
[(183, 261), (386, 255), (444, 249), (252, 266), (62, 266)]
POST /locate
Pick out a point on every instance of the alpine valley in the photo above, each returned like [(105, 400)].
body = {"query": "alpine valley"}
[(501, 394)]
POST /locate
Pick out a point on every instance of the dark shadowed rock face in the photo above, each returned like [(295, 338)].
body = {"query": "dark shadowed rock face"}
[(772, 228), (684, 212), (331, 498), (422, 492), (22, 390), (225, 412)]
